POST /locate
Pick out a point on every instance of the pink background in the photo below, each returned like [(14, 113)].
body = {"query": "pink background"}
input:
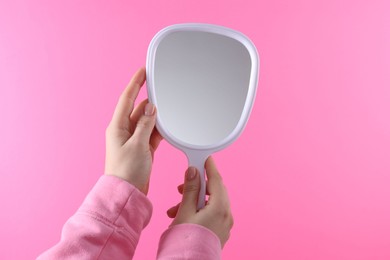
[(308, 179)]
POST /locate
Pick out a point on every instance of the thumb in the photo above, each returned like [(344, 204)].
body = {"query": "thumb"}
[(145, 124), (190, 192)]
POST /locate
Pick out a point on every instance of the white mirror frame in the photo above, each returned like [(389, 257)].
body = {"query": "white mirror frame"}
[(197, 154)]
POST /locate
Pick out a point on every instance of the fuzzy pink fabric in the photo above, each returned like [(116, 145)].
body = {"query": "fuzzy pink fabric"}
[(109, 223)]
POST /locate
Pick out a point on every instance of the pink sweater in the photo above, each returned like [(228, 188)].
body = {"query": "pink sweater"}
[(109, 223)]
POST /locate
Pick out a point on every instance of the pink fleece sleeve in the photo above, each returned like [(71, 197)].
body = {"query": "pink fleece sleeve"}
[(189, 241), (106, 226)]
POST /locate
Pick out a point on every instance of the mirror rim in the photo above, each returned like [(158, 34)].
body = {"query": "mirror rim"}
[(199, 27)]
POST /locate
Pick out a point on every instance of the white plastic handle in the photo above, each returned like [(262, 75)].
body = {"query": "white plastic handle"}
[(197, 160)]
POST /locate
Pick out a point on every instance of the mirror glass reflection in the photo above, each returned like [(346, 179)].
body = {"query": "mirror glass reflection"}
[(201, 82)]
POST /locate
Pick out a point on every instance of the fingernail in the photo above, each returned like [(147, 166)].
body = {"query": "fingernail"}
[(149, 109), (191, 173)]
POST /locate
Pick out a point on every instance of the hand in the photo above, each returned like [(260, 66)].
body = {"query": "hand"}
[(216, 215), (131, 138)]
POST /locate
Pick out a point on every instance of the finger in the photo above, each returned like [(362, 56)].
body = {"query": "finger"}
[(181, 187), (172, 212), (214, 179), (190, 192), (136, 114), (126, 101), (145, 125), (155, 139), (214, 186)]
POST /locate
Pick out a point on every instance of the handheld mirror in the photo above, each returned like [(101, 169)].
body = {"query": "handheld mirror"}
[(202, 79)]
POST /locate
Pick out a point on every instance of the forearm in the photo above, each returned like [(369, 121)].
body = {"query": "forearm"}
[(106, 226)]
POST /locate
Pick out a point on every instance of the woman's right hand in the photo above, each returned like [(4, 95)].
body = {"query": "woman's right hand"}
[(216, 215)]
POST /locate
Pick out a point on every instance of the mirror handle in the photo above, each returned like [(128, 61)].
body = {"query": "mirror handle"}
[(198, 159), (202, 191)]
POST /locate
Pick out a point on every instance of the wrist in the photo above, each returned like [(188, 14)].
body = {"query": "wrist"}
[(141, 186)]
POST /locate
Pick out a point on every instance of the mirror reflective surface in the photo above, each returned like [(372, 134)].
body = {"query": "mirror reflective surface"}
[(201, 84), (202, 79)]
